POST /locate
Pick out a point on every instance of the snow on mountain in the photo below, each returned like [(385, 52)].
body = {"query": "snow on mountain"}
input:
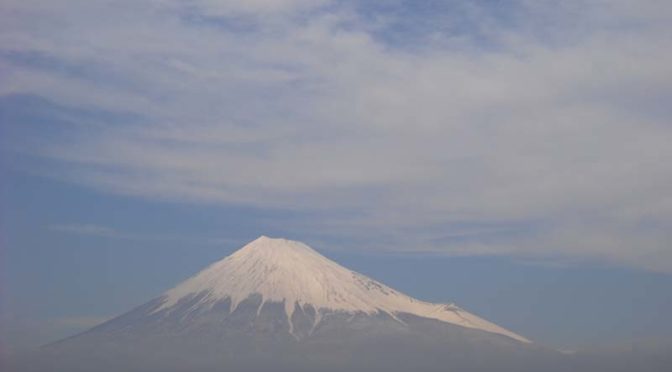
[(290, 272)]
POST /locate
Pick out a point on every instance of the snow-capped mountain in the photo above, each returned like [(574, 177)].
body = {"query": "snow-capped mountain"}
[(278, 305), (292, 273)]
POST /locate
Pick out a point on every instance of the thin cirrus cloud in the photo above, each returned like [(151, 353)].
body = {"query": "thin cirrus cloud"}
[(82, 322), (85, 229), (546, 121)]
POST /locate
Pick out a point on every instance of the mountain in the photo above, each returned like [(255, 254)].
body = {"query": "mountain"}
[(279, 305), (291, 273)]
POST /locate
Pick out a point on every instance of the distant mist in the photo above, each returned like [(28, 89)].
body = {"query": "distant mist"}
[(391, 362)]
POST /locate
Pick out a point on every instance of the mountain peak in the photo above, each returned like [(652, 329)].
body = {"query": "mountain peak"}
[(266, 243), (292, 273), (276, 259), (262, 239)]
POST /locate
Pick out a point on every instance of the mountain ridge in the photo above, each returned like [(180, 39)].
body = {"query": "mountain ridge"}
[(278, 305), (291, 272)]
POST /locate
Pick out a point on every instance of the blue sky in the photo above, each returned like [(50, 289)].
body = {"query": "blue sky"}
[(511, 156)]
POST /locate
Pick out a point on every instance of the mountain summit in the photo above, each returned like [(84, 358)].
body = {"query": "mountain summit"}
[(292, 273), (278, 305)]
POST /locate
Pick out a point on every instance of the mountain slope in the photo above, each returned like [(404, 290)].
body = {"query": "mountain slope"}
[(278, 305), (290, 272)]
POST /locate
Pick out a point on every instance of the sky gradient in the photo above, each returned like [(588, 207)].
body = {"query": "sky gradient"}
[(510, 156)]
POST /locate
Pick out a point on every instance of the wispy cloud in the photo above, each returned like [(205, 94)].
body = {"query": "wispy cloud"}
[(550, 117), (107, 232), (81, 322), (84, 229)]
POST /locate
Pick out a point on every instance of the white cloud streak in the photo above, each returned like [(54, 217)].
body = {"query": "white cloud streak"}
[(85, 229), (557, 125)]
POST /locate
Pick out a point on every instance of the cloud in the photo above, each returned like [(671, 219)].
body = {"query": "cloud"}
[(250, 7), (81, 322), (111, 233), (546, 120), (85, 229)]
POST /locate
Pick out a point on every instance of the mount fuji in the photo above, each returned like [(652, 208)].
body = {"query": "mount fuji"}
[(279, 305), (302, 280)]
